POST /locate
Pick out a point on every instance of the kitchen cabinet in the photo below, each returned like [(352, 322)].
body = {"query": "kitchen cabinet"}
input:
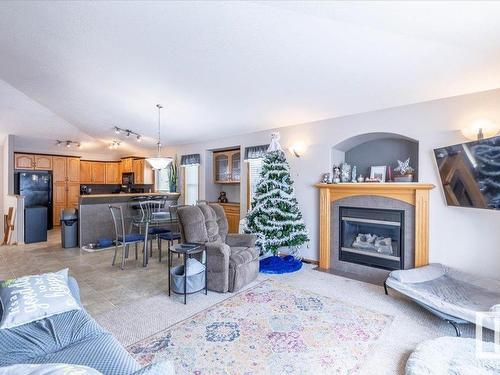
[(232, 211), (143, 173), (227, 167), (33, 162), (98, 172), (66, 184), (92, 172), (113, 175), (85, 172), (127, 165)]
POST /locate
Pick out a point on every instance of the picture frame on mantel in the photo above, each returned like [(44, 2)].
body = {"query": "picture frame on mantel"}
[(378, 172)]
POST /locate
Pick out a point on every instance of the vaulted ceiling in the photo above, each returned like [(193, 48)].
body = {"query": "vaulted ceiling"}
[(222, 68)]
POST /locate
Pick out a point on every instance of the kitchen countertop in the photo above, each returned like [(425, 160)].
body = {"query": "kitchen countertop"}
[(100, 199), (126, 195)]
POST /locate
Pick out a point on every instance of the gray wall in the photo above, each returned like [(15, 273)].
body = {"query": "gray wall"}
[(382, 152), (457, 235)]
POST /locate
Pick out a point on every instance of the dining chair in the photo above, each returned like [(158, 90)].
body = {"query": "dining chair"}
[(122, 239), (174, 234), (152, 214)]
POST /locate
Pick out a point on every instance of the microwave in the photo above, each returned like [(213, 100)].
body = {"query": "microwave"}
[(128, 178)]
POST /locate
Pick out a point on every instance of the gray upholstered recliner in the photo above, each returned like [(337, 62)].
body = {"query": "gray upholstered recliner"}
[(233, 260)]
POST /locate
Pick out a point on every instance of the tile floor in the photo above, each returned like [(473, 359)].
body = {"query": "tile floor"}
[(102, 286)]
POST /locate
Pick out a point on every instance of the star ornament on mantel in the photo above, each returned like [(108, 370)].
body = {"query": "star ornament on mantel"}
[(404, 167)]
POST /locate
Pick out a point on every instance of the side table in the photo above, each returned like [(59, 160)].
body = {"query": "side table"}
[(187, 251)]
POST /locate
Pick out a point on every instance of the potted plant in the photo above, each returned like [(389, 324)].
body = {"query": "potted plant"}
[(173, 176)]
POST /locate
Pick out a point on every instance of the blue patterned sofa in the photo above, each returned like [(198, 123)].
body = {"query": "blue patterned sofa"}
[(73, 337)]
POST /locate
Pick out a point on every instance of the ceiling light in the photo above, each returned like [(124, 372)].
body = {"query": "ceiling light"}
[(114, 145), (126, 132), (159, 162), (67, 143)]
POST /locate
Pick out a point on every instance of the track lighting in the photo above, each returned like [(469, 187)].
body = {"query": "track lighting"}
[(114, 145), (68, 143), (127, 132)]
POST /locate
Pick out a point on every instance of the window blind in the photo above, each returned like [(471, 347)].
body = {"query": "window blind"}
[(254, 169)]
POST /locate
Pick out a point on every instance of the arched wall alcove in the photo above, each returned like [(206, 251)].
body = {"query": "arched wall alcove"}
[(374, 149)]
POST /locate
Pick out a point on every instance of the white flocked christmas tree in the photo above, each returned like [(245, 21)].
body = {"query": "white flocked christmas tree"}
[(275, 216)]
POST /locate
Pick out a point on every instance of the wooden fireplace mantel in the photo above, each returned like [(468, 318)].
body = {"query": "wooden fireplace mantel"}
[(416, 194)]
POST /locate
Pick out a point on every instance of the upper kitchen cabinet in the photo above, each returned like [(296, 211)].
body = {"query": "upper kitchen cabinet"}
[(98, 172), (33, 162), (127, 165), (227, 166), (143, 173), (85, 172), (92, 172), (113, 175)]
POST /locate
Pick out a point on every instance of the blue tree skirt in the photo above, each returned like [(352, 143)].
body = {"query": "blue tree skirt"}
[(276, 264)]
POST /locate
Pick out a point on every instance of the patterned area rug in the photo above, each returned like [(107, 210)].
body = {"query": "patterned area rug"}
[(269, 329)]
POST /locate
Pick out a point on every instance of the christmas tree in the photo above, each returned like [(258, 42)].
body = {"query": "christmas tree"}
[(275, 216)]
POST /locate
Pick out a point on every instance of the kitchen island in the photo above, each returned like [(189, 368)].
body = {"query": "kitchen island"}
[(95, 220)]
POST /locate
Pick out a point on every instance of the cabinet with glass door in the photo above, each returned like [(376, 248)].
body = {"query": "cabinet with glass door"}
[(227, 166)]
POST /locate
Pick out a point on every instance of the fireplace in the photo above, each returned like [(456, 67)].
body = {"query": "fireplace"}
[(372, 237)]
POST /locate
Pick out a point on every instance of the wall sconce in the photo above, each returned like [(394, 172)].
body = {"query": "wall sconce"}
[(298, 149), (480, 129), (68, 143)]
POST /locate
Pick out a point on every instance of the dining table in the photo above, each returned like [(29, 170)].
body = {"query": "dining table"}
[(159, 218)]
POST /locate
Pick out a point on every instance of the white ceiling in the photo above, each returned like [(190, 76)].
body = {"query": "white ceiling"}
[(224, 68)]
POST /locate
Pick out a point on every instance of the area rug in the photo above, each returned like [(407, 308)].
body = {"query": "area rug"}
[(269, 329)]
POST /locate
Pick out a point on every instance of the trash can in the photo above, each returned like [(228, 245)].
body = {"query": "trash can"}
[(195, 277), (69, 227)]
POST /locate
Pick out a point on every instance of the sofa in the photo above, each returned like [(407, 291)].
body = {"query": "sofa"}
[(232, 259), (73, 337)]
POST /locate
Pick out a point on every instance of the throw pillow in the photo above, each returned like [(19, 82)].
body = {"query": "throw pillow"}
[(48, 369), (30, 298)]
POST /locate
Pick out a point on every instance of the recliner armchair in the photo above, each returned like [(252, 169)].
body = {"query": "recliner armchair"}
[(233, 259)]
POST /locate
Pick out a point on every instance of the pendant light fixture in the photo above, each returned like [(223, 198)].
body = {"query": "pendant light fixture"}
[(159, 162)]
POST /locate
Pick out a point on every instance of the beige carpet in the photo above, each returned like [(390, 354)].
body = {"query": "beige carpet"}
[(411, 325)]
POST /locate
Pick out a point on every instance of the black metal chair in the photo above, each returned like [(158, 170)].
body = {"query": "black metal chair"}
[(152, 212), (173, 235), (122, 239)]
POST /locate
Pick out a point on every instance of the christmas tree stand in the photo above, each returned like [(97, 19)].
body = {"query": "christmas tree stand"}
[(276, 265)]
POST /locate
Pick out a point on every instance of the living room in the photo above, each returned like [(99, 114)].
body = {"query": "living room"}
[(250, 187)]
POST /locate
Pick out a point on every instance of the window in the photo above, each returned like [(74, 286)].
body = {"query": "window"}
[(161, 180), (191, 184), (254, 169)]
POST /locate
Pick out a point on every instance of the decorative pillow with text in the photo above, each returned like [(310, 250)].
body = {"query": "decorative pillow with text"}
[(48, 369), (30, 298)]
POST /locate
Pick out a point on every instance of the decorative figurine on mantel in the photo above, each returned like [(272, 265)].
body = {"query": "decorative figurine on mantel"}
[(336, 174), (361, 178), (403, 172), (353, 174), (327, 178), (345, 173)]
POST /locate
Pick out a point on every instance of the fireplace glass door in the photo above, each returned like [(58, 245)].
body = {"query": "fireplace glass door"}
[(372, 237)]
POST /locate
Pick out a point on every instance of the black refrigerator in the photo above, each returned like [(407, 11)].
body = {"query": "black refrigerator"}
[(36, 187)]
